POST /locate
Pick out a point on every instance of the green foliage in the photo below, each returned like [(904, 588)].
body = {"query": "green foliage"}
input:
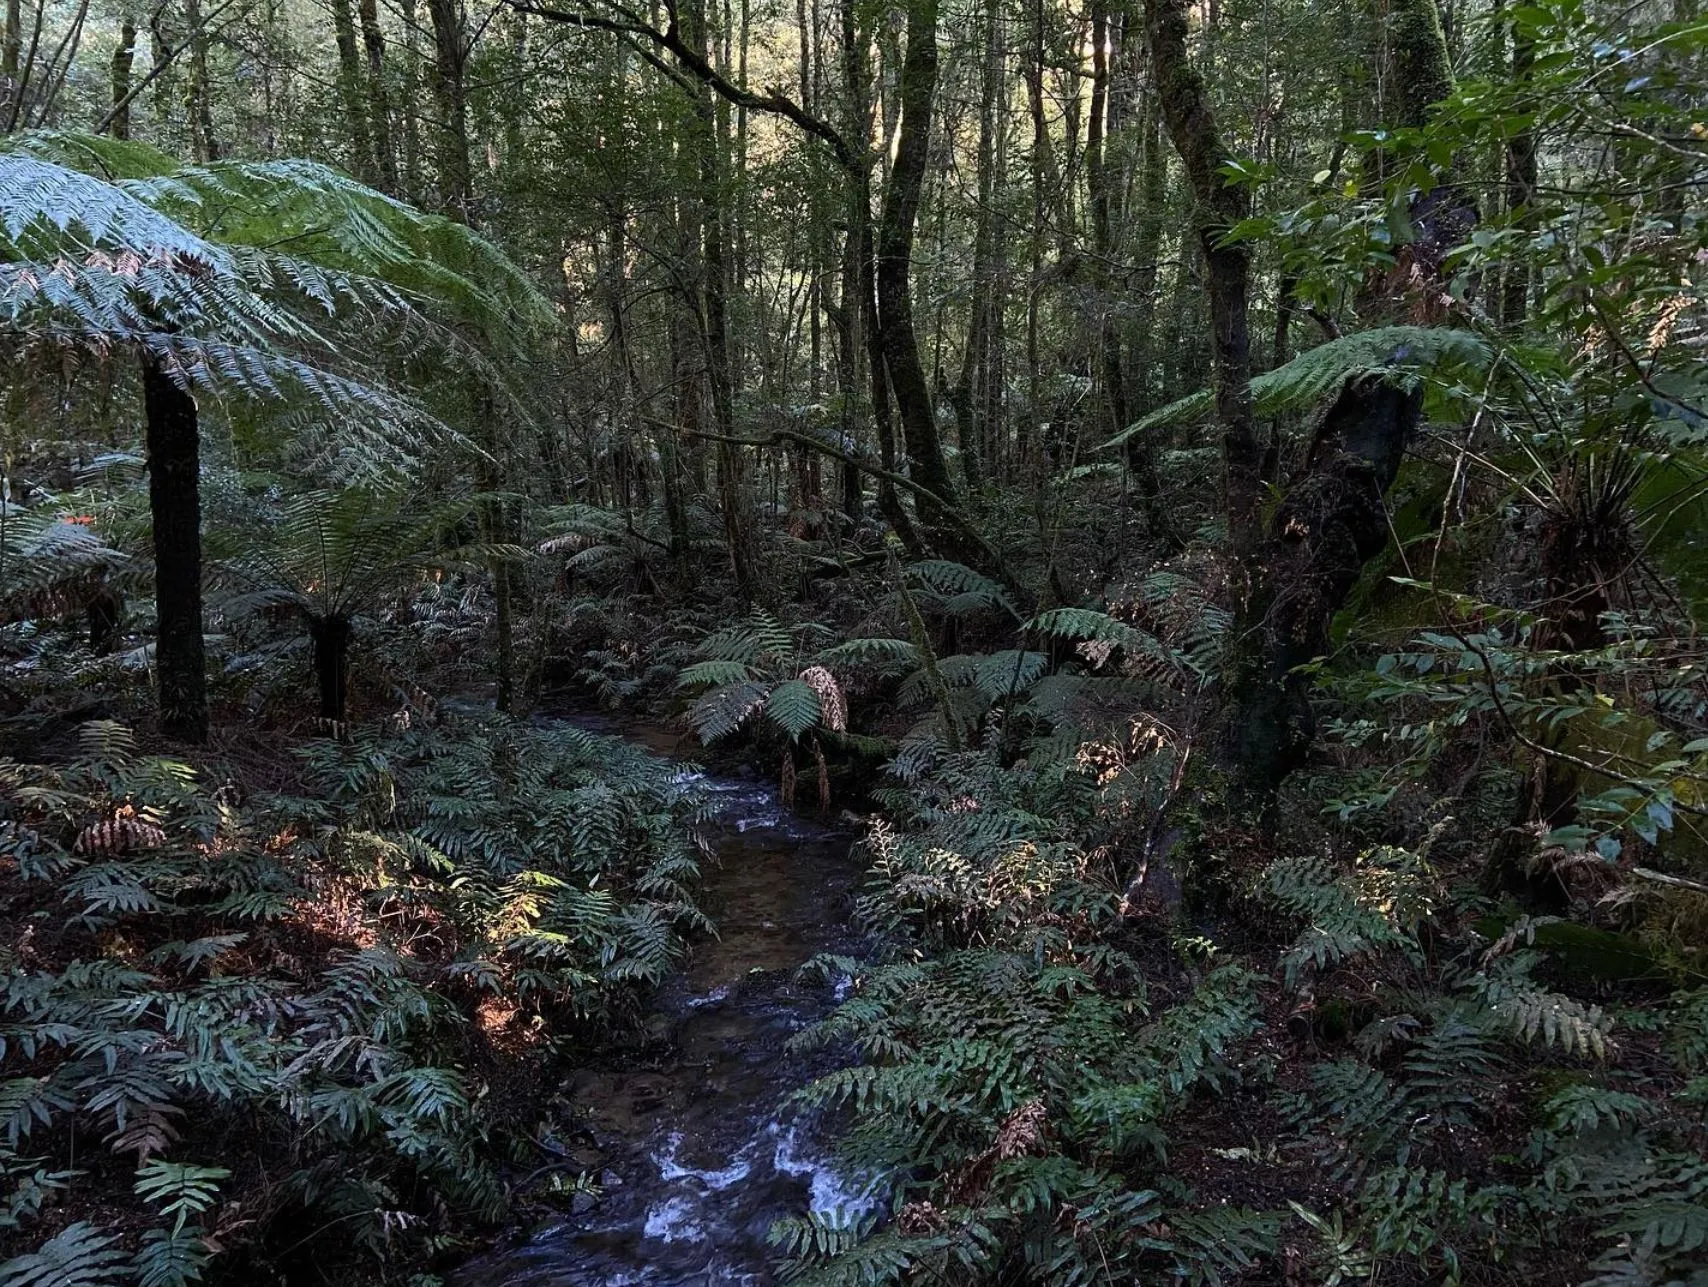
[(1380, 907), (78, 1256), (1404, 353), (308, 971), (1015, 1074)]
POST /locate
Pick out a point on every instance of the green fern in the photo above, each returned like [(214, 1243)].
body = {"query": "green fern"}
[(1398, 352), (78, 1256)]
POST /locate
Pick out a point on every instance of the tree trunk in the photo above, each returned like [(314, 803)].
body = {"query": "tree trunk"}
[(504, 622), (864, 312), (350, 91), (849, 324), (914, 404), (456, 180), (123, 58), (160, 51), (975, 394), (330, 636), (714, 288), (204, 142), (409, 176), (1520, 191), (1221, 204), (11, 52), (379, 104), (174, 501), (1147, 256), (1332, 522), (1418, 66)]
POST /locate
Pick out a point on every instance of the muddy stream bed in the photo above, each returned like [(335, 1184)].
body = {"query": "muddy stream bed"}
[(690, 1140)]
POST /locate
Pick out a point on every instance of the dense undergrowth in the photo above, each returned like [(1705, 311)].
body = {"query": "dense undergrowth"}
[(1351, 1069), (311, 1027)]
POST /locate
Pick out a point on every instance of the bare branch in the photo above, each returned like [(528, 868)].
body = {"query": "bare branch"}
[(670, 39)]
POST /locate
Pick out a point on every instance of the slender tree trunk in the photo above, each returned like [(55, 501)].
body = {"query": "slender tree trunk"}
[(1147, 256), (18, 92), (504, 618), (1520, 190), (379, 103), (204, 142), (1102, 233), (160, 53), (914, 403), (123, 58), (714, 288), (1221, 204), (356, 122), (857, 76), (409, 176), (456, 180), (974, 395), (174, 500), (11, 52), (848, 323)]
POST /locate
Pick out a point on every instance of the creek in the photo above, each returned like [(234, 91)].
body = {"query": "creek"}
[(695, 1150)]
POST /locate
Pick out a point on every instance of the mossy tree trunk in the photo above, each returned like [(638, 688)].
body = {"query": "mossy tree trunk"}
[(915, 407), (124, 56), (1298, 572)]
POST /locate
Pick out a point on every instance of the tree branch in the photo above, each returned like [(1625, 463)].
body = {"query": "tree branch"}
[(135, 92), (670, 39)]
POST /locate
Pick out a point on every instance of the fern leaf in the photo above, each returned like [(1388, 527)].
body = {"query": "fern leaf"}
[(794, 707)]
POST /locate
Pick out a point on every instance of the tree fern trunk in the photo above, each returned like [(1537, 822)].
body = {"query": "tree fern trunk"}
[(174, 500), (330, 636)]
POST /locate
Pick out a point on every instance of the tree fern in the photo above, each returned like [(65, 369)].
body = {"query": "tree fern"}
[(1399, 352)]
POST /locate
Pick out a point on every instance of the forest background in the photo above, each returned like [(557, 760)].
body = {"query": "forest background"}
[(1221, 483)]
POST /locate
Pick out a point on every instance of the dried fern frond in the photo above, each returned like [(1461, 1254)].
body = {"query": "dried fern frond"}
[(832, 705)]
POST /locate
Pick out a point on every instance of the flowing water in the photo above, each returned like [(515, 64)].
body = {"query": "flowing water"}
[(692, 1145)]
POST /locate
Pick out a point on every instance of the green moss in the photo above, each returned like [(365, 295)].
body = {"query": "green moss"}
[(1417, 55)]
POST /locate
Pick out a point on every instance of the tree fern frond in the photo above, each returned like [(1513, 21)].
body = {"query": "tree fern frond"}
[(1399, 352)]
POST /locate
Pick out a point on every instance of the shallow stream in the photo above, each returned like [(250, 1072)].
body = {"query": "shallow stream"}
[(695, 1151)]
